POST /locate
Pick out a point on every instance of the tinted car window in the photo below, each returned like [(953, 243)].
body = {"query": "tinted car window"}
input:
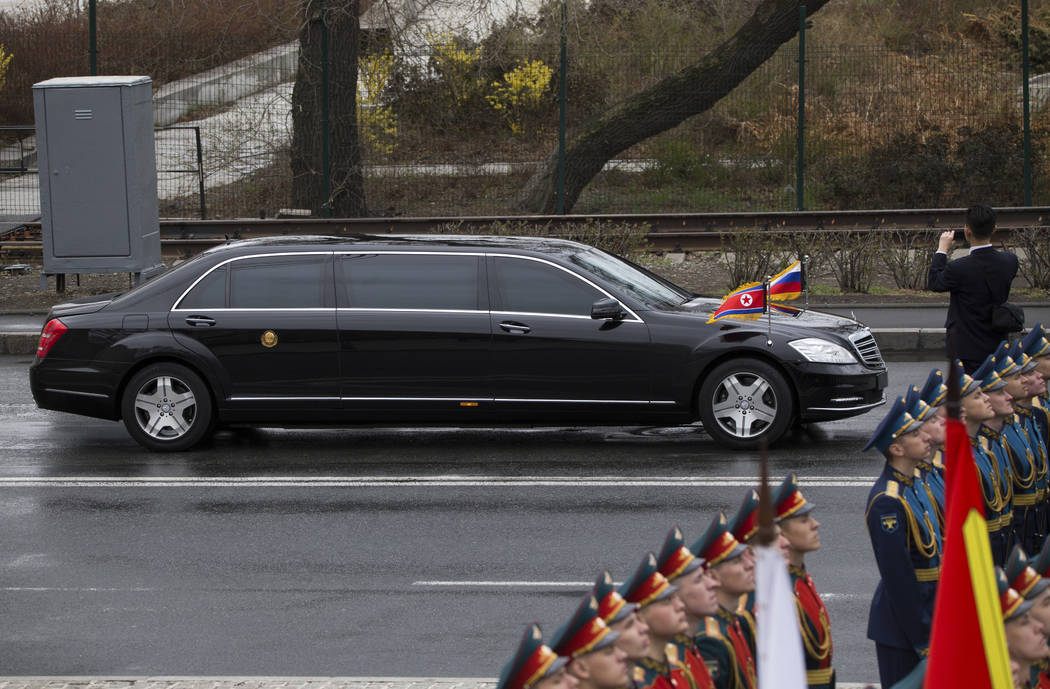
[(534, 287), (278, 282), (410, 281), (209, 293)]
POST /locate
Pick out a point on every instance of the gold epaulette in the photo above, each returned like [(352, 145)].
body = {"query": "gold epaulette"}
[(918, 473), (711, 628), (639, 674), (983, 442), (893, 489), (672, 654)]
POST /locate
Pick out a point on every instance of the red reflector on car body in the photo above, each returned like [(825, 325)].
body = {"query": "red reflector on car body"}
[(52, 331)]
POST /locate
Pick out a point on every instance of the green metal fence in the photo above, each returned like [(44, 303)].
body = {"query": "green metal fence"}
[(453, 130)]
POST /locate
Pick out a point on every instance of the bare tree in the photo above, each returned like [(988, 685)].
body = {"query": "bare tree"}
[(667, 104), (346, 195)]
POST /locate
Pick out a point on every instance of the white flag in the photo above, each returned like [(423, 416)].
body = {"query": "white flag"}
[(780, 661)]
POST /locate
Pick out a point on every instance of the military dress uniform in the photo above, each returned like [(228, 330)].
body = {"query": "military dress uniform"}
[(744, 526), (1033, 420), (908, 555), (722, 640), (674, 561), (645, 587), (813, 621), (928, 487), (1002, 539)]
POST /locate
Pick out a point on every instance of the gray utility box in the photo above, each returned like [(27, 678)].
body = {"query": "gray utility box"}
[(98, 176)]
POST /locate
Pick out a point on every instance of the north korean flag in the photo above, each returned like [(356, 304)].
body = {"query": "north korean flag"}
[(747, 301)]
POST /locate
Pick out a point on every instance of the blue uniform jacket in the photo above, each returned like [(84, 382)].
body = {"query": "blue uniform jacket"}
[(908, 555)]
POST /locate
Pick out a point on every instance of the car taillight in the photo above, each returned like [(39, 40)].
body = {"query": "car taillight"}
[(52, 331)]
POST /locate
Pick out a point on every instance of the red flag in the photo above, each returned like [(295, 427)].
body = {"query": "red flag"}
[(967, 643)]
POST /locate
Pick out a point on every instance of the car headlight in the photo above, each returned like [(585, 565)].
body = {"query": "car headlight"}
[(822, 351)]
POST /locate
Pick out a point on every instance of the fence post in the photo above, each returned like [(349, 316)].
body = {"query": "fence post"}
[(326, 164), (562, 95), (1027, 105), (200, 172), (92, 38), (800, 172)]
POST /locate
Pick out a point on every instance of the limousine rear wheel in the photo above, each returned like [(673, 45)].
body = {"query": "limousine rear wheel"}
[(743, 401), (166, 407)]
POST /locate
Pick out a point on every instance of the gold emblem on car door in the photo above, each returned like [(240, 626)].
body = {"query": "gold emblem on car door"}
[(269, 339)]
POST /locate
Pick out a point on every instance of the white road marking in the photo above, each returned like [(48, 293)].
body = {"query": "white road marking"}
[(446, 583), (416, 481)]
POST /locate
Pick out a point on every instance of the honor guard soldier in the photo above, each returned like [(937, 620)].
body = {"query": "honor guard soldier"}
[(929, 484), (1034, 589), (535, 666), (934, 393), (696, 589), (1025, 638), (906, 549), (1027, 464), (588, 644), (663, 613), (990, 431), (722, 641), (622, 617), (976, 411), (801, 531), (1036, 346), (744, 526), (1032, 418)]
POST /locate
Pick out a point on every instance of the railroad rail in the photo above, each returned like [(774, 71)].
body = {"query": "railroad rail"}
[(666, 231)]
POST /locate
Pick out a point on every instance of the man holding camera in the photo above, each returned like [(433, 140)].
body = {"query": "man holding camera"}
[(979, 284)]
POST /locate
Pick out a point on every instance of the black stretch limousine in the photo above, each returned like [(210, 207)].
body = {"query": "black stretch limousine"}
[(440, 329)]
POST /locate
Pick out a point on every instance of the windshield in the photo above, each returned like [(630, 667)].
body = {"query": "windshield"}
[(630, 279)]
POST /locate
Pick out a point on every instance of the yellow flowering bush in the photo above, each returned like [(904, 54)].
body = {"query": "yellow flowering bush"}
[(521, 91), (376, 120), (457, 66), (5, 60)]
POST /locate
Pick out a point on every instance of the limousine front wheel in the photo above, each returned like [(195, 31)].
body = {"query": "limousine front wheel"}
[(166, 407), (743, 401)]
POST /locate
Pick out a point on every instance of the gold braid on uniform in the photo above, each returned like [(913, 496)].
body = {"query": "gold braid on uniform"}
[(814, 647)]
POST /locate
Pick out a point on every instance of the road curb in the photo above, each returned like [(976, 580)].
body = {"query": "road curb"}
[(270, 683), (896, 344)]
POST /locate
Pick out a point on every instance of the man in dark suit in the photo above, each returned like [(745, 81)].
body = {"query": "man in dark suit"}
[(977, 282)]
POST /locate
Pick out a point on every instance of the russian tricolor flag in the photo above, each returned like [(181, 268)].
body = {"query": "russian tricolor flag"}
[(787, 284), (747, 301)]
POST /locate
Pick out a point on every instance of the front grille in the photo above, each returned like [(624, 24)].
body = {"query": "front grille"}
[(867, 348)]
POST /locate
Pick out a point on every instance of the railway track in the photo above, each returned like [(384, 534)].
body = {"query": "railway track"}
[(666, 231)]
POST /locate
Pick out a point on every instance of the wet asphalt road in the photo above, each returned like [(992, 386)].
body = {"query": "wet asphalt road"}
[(369, 552)]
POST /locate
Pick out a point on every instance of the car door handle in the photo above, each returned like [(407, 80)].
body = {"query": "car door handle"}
[(200, 321), (514, 328)]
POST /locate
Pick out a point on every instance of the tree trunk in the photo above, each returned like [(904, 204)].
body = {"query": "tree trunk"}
[(346, 194), (665, 105)]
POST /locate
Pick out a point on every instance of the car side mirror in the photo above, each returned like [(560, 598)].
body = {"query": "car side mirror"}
[(605, 309)]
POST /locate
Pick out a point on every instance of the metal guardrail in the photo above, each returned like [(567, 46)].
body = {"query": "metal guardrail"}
[(667, 232)]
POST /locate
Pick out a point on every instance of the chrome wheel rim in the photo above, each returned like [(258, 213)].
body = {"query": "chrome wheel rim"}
[(744, 405), (165, 408)]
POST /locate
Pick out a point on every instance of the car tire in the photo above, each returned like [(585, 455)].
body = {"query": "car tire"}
[(167, 407), (745, 401)]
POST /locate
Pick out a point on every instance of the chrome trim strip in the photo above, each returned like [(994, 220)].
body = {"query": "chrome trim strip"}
[(417, 399), (283, 399), (77, 392), (506, 399), (368, 309), (250, 309), (863, 407)]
